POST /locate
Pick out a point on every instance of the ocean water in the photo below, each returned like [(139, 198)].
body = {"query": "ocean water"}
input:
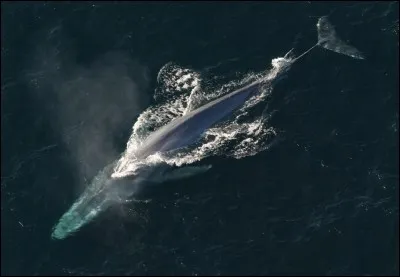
[(313, 191)]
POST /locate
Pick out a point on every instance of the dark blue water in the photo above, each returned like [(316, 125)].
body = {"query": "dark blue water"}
[(324, 200)]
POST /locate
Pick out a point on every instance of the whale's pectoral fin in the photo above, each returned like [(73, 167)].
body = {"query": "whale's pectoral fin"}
[(181, 173), (186, 172)]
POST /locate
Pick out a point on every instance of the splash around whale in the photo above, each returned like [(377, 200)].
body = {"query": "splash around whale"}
[(145, 159)]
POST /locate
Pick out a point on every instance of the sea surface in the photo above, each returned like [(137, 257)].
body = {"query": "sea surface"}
[(321, 197)]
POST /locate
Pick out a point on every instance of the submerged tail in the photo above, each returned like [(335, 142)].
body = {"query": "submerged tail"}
[(328, 39)]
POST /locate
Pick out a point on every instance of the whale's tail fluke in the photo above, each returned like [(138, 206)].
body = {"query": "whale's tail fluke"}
[(328, 39)]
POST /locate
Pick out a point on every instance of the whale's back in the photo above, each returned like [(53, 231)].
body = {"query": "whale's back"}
[(185, 130)]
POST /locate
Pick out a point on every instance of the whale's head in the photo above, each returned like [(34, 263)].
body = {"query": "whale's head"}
[(103, 192)]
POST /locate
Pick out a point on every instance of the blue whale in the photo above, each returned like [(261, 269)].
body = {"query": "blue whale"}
[(106, 190)]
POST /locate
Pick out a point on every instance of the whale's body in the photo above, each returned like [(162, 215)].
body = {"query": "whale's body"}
[(180, 132)]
